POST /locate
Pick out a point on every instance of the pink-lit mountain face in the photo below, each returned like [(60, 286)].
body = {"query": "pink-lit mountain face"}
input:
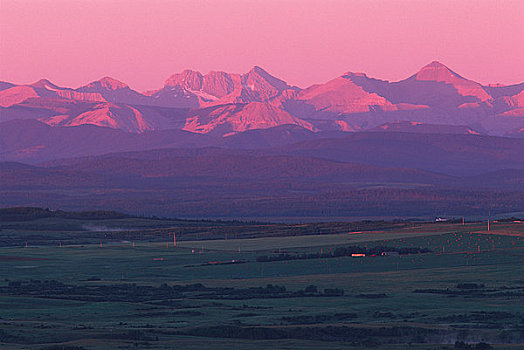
[(193, 89), (436, 72), (225, 103), (231, 118)]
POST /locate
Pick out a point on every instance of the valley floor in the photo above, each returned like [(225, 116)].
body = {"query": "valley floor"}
[(220, 294)]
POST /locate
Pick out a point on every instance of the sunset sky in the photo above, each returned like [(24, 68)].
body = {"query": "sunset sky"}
[(143, 42)]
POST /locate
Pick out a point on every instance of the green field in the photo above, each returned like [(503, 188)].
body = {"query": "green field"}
[(152, 295)]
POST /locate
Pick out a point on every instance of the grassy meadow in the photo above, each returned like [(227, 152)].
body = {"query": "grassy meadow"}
[(68, 292)]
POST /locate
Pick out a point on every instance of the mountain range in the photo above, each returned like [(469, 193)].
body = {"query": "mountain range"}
[(224, 103), (251, 146)]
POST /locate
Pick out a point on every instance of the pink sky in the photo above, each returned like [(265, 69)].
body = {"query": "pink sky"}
[(142, 42)]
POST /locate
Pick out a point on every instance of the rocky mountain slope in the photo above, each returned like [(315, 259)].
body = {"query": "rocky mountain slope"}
[(227, 103)]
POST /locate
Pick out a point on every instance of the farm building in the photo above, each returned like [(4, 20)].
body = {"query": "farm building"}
[(390, 253)]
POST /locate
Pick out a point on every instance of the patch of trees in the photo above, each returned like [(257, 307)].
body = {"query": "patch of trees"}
[(138, 293), (314, 319), (63, 347), (355, 335), (342, 251), (132, 334), (372, 295), (510, 219), (479, 316), (275, 291), (190, 313), (379, 314), (33, 213), (470, 286), (478, 346), (333, 292), (215, 263), (474, 290)]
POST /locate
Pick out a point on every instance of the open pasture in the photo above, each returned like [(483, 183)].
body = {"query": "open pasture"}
[(205, 293)]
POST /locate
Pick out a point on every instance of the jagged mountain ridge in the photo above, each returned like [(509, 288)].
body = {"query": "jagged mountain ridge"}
[(216, 88), (227, 103)]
